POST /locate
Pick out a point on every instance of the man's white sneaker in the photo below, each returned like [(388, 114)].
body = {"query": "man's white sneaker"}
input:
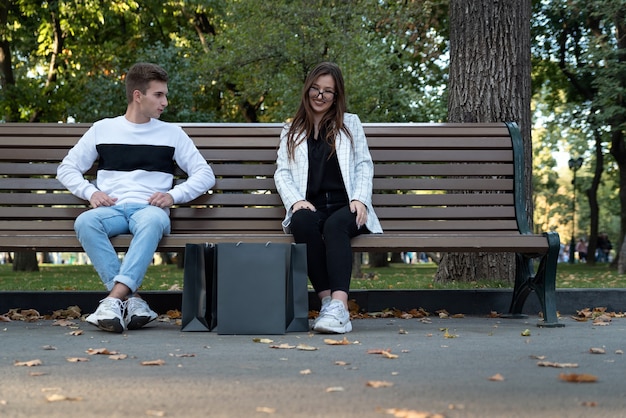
[(336, 319), (109, 315), (325, 302), (138, 313)]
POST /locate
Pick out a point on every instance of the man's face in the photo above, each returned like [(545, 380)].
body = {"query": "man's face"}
[(154, 102)]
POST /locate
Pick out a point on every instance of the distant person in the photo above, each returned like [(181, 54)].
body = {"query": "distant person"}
[(324, 177), (603, 248), (581, 249), (137, 155)]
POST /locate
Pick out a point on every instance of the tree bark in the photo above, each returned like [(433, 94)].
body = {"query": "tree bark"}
[(489, 82), (25, 261)]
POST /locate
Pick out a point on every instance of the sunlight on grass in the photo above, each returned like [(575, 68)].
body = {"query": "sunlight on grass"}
[(396, 276)]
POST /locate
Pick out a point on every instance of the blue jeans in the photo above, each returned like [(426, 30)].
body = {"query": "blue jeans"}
[(146, 223)]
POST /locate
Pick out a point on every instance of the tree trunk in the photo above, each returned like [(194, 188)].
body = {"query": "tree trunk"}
[(592, 196), (378, 260), (357, 272), (25, 261), (489, 82)]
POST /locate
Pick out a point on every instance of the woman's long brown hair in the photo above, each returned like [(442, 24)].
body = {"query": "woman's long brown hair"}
[(332, 122)]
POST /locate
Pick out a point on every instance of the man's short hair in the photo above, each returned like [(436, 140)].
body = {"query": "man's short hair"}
[(139, 77)]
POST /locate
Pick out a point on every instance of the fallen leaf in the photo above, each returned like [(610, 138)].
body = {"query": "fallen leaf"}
[(155, 413), (341, 363), (183, 355), (578, 378), (330, 341), (48, 347), (29, 363), (410, 413), (57, 398), (305, 347), (305, 371), (4, 318), (619, 351), (283, 346), (265, 409), (118, 357), (153, 363), (378, 384), (77, 359), (76, 332), (557, 365), (387, 354), (597, 350), (94, 351), (497, 378), (334, 389), (526, 333), (262, 340)]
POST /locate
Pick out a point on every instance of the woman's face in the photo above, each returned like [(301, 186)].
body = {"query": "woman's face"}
[(322, 94)]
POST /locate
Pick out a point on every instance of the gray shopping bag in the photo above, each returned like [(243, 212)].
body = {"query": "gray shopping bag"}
[(261, 288), (199, 307)]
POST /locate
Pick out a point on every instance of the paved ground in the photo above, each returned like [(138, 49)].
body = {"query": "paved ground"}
[(443, 368)]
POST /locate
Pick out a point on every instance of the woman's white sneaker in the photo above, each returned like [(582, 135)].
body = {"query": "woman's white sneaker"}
[(109, 315), (138, 313), (334, 319)]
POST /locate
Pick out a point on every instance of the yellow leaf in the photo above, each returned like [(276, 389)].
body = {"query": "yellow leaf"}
[(330, 341), (526, 333)]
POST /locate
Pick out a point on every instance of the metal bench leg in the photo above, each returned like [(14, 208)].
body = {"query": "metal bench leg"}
[(543, 282)]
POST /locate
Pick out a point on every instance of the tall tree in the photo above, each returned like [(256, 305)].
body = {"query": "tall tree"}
[(489, 82)]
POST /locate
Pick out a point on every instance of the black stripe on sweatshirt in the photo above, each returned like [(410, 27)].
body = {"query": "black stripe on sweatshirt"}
[(126, 157)]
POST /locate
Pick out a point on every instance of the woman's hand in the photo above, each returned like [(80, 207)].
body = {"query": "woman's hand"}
[(361, 212), (302, 204)]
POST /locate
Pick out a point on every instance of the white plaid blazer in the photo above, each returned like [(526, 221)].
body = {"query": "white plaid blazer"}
[(355, 163)]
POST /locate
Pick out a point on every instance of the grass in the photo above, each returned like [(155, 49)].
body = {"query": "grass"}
[(397, 276)]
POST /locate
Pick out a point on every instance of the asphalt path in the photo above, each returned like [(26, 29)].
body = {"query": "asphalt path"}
[(440, 367)]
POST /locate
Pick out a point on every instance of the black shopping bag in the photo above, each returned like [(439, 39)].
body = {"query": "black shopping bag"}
[(261, 288), (199, 307)]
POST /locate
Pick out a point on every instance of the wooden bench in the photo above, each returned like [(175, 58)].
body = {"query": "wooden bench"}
[(437, 188)]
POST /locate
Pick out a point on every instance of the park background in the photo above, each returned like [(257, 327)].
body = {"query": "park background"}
[(245, 61)]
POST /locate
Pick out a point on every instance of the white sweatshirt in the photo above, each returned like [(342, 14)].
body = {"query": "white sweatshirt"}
[(135, 161)]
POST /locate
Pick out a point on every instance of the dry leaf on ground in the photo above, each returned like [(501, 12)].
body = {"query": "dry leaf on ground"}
[(57, 398), (153, 363), (410, 413), (283, 346), (265, 409), (93, 351), (597, 350), (29, 363), (557, 365), (77, 359), (578, 378), (376, 384), (330, 341), (497, 378)]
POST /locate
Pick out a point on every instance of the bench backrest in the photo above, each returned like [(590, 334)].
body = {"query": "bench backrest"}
[(439, 178)]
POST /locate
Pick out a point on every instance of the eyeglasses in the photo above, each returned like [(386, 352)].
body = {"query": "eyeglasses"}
[(327, 96)]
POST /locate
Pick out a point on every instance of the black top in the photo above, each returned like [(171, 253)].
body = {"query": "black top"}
[(325, 184)]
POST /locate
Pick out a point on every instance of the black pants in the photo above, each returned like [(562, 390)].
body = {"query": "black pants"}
[(327, 233)]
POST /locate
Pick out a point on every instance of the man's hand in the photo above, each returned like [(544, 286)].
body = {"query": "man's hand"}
[(101, 199), (161, 200)]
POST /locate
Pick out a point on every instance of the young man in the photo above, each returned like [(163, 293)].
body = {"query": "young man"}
[(137, 155)]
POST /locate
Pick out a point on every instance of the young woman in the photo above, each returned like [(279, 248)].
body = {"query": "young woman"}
[(324, 178)]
